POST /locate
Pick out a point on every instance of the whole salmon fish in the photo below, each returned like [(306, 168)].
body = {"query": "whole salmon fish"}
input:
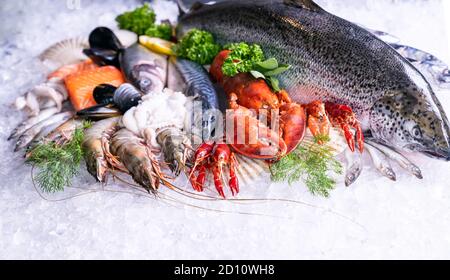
[(335, 60)]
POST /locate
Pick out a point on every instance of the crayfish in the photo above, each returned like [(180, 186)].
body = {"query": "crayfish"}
[(216, 157)]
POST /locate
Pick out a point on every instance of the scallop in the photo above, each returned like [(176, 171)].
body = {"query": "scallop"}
[(251, 170), (69, 51), (337, 142)]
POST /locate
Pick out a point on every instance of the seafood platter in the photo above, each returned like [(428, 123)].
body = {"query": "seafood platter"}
[(219, 100)]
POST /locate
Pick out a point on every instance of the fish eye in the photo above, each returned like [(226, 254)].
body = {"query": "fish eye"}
[(416, 132), (145, 84)]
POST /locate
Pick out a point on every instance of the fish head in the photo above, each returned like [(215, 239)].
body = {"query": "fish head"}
[(147, 78), (412, 119)]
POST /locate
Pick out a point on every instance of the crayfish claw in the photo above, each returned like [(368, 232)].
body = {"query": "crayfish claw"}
[(343, 116), (318, 122), (233, 182), (359, 137), (217, 173), (349, 136)]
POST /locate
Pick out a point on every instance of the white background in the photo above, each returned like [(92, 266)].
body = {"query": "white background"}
[(373, 219)]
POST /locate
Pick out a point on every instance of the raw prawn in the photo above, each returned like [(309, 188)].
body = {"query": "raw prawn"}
[(138, 159), (94, 156), (151, 118)]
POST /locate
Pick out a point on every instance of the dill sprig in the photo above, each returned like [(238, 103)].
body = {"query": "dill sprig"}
[(58, 164), (310, 163), (321, 138)]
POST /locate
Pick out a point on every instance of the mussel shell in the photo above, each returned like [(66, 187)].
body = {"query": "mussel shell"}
[(103, 94), (126, 97), (105, 47), (104, 38), (103, 57), (99, 112)]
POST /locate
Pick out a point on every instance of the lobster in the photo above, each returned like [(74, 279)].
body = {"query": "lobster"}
[(249, 97)]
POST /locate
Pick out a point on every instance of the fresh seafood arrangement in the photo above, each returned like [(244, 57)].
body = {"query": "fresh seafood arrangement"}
[(233, 90)]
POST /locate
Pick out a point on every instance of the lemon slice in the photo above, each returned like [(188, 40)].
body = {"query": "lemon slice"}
[(157, 45)]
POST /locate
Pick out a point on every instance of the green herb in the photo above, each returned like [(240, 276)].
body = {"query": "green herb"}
[(250, 58), (142, 22), (267, 70), (310, 163), (269, 64), (163, 31), (321, 138), (58, 164), (198, 46), (138, 20), (274, 83), (242, 58)]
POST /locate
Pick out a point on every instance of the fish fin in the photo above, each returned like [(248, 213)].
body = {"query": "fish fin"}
[(182, 9), (185, 8), (196, 6), (304, 4)]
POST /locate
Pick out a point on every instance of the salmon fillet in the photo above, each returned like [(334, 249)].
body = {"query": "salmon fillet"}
[(81, 85)]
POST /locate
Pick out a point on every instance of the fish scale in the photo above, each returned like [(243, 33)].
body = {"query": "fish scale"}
[(193, 80), (320, 58)]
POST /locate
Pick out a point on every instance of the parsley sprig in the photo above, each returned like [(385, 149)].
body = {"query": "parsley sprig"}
[(245, 58), (142, 22), (199, 46)]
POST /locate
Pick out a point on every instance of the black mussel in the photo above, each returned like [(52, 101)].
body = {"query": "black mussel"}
[(103, 57), (105, 47), (99, 112), (126, 96), (104, 38), (103, 94)]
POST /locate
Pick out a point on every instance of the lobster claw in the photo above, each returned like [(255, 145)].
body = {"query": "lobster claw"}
[(292, 125), (252, 138)]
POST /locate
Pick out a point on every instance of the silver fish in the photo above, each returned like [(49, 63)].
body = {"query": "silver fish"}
[(144, 69), (381, 162), (354, 167), (435, 70), (400, 159), (44, 114), (45, 131), (34, 132), (193, 80), (335, 60)]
